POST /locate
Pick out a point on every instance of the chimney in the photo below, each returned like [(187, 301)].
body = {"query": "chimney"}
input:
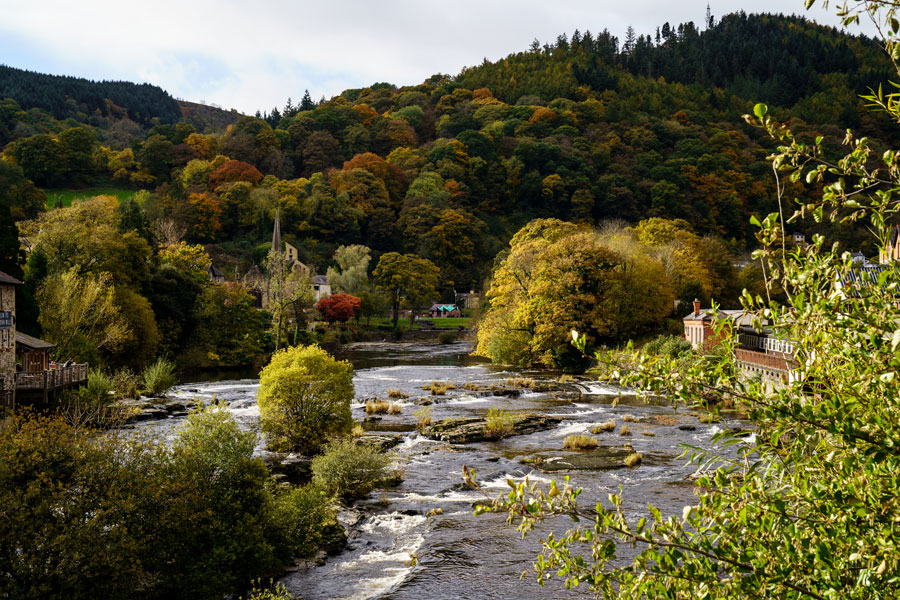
[(696, 307)]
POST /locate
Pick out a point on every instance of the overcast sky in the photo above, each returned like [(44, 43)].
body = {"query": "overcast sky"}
[(254, 55)]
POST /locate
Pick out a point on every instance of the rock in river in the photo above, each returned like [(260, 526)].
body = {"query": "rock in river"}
[(466, 430), (603, 458)]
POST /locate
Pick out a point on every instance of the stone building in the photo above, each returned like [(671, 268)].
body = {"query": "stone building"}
[(8, 286)]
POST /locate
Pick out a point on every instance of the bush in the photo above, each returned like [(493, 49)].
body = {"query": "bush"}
[(107, 516), (668, 345), (159, 377), (447, 337), (304, 399), (579, 442), (498, 423), (349, 471), (98, 391), (126, 383)]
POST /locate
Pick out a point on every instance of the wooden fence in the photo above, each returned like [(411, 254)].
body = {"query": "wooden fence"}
[(52, 379)]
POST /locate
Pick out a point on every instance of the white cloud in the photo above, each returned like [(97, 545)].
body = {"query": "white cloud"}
[(253, 56)]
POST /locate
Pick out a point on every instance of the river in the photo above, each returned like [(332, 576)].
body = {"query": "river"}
[(396, 552)]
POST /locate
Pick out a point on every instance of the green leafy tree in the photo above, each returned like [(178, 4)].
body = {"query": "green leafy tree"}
[(80, 315), (304, 399), (351, 276), (406, 276)]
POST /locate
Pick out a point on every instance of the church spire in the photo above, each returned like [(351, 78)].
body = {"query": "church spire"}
[(276, 234)]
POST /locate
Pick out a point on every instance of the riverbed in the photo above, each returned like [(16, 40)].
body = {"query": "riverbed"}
[(397, 552)]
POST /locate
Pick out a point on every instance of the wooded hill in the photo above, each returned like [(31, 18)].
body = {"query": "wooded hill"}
[(586, 129)]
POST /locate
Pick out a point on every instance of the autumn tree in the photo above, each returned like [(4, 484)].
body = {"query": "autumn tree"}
[(338, 308), (558, 277), (406, 276), (79, 314)]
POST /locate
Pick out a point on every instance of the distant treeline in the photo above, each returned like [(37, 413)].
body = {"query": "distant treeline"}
[(70, 97), (781, 60)]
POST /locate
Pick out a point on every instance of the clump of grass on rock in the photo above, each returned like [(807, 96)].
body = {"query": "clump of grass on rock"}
[(604, 427), (634, 459), (498, 423), (579, 442)]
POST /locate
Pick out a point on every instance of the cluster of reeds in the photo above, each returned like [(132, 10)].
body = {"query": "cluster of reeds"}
[(521, 382), (438, 388), (498, 423), (604, 427), (423, 417), (579, 442)]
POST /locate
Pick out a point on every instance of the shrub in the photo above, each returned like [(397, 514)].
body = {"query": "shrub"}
[(498, 423), (304, 399), (274, 591), (395, 409), (349, 471), (629, 419), (159, 377), (126, 383), (707, 418), (604, 427), (423, 417), (668, 345), (196, 518), (398, 394), (98, 391), (634, 459), (579, 442), (447, 337), (648, 433), (625, 430), (358, 431)]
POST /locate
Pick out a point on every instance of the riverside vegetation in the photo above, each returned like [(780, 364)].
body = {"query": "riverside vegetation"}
[(806, 509)]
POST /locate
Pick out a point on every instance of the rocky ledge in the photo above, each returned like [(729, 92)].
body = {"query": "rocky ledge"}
[(600, 459), (467, 430)]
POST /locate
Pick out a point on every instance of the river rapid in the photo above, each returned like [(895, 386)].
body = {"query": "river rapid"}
[(397, 552)]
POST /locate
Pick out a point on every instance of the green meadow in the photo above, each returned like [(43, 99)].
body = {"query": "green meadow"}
[(64, 197)]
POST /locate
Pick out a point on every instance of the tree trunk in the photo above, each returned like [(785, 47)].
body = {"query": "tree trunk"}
[(395, 308), (278, 334)]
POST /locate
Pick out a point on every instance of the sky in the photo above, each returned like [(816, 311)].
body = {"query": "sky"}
[(253, 56)]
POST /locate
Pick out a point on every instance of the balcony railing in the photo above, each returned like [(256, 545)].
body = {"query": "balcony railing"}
[(765, 344), (52, 379)]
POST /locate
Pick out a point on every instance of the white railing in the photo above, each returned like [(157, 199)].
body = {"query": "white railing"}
[(765, 344)]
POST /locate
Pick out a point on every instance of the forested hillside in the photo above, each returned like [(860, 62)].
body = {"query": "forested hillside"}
[(65, 97), (587, 129)]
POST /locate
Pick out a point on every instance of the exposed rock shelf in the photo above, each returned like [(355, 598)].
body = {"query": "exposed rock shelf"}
[(467, 430)]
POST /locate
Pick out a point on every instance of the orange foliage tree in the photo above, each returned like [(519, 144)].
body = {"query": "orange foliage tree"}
[(338, 308)]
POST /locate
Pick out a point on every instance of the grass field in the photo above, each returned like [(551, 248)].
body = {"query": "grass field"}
[(64, 197), (439, 323)]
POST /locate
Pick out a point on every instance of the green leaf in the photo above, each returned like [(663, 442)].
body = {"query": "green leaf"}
[(760, 110)]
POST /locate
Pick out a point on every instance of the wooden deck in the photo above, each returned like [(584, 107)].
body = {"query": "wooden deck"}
[(34, 385), (52, 379)]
